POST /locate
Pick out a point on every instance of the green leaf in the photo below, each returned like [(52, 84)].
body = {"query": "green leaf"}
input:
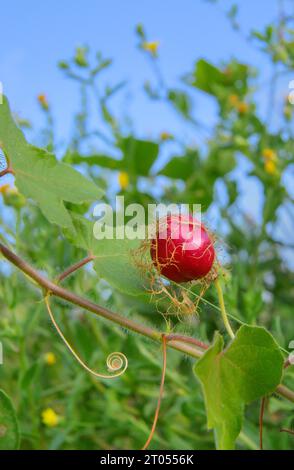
[(274, 197), (216, 82), (29, 376), (181, 101), (181, 167), (220, 161), (206, 76), (81, 56), (250, 368), (137, 158), (115, 263), (39, 176), (115, 259), (103, 161), (9, 432), (232, 190), (138, 155)]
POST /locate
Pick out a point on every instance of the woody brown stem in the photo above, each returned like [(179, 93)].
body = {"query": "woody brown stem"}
[(6, 172), (58, 291)]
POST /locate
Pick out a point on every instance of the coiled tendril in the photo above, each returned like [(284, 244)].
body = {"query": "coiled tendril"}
[(116, 362)]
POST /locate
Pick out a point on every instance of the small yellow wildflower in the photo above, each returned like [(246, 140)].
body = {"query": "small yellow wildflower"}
[(242, 107), (43, 101), (8, 190), (151, 47), (50, 359), (123, 179), (233, 100), (4, 188), (270, 161), (50, 418), (269, 154), (165, 136), (270, 167)]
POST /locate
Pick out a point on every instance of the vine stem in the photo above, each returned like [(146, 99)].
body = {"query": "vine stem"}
[(7, 171), (289, 431), (74, 268), (261, 415), (119, 370), (223, 308), (103, 312), (161, 389), (285, 392), (187, 339), (58, 291)]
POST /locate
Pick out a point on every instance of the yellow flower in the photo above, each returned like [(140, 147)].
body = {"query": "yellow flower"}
[(165, 136), (270, 167), (43, 101), (233, 100), (4, 188), (242, 107), (50, 418), (123, 179), (50, 359), (270, 161), (269, 154), (8, 190), (151, 47)]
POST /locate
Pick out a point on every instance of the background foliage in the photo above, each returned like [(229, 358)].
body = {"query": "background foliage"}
[(57, 404)]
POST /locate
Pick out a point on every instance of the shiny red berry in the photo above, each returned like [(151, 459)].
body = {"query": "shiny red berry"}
[(182, 250)]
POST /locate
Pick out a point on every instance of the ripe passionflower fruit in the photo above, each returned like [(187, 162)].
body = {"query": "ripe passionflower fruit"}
[(182, 249)]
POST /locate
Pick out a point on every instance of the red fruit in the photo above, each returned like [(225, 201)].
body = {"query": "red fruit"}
[(182, 250)]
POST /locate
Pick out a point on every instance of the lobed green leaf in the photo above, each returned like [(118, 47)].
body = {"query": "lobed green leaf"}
[(250, 368), (40, 177)]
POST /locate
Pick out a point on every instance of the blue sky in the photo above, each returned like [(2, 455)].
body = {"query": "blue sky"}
[(37, 34)]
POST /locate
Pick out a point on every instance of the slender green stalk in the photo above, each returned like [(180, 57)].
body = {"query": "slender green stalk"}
[(223, 308)]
